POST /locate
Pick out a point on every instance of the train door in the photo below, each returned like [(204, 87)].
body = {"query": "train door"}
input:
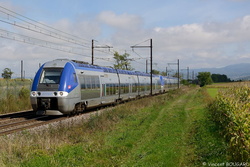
[(104, 90)]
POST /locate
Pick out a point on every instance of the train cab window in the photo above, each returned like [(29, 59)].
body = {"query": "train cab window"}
[(51, 76)]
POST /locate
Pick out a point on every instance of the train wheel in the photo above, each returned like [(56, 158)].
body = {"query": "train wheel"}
[(84, 108)]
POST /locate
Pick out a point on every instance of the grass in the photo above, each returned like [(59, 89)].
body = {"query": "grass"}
[(167, 130), (14, 95), (212, 92)]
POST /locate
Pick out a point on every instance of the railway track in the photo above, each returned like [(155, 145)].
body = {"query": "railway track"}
[(19, 121)]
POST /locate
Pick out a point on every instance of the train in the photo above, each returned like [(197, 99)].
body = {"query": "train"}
[(63, 87)]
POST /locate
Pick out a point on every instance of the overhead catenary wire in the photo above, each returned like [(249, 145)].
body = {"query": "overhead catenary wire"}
[(140, 56), (45, 32), (37, 24), (41, 30), (20, 21), (141, 42), (43, 43), (151, 61)]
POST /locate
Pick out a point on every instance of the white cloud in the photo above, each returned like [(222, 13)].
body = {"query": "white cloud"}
[(124, 21), (245, 24), (196, 45), (210, 44), (192, 36)]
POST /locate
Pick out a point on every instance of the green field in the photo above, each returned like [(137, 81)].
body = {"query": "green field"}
[(212, 92), (166, 130)]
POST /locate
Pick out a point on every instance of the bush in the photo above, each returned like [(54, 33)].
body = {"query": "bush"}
[(24, 93), (14, 96), (231, 111)]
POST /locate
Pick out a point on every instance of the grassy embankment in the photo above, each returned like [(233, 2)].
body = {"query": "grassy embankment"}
[(14, 95), (167, 130)]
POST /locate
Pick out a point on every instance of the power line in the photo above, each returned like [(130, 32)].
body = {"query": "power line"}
[(93, 46), (142, 42), (138, 55), (151, 62), (14, 19), (42, 43), (24, 18), (46, 32)]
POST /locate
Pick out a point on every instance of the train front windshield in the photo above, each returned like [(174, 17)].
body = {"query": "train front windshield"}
[(51, 76)]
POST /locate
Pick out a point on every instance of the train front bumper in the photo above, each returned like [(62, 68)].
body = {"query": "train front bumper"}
[(50, 102)]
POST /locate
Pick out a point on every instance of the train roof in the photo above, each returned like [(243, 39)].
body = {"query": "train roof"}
[(109, 69), (87, 66)]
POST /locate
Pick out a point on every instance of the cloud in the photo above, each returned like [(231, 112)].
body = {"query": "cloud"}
[(190, 36), (124, 21), (9, 5), (207, 44), (81, 27), (211, 44), (209, 33)]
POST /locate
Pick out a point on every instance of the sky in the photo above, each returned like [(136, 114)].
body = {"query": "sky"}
[(200, 33)]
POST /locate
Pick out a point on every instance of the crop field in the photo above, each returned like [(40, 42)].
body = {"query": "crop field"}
[(230, 111), (229, 84), (172, 129), (14, 95), (215, 88)]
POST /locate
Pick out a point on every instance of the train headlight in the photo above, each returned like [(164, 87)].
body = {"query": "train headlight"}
[(62, 94), (33, 94)]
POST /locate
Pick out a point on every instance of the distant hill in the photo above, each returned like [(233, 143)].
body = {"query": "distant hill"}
[(234, 72)]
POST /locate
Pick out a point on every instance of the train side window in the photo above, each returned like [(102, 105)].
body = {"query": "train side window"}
[(127, 88), (96, 82), (107, 89), (114, 89), (75, 78), (81, 80), (88, 82)]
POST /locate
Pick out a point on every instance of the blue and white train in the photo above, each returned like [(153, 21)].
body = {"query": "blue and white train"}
[(67, 86)]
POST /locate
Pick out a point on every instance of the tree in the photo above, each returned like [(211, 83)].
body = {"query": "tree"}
[(220, 78), (163, 73), (176, 76), (156, 72), (122, 61), (204, 78), (7, 73)]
